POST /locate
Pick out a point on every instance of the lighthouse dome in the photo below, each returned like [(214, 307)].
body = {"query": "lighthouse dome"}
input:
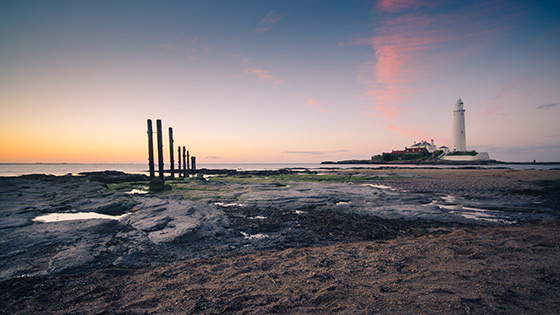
[(459, 104)]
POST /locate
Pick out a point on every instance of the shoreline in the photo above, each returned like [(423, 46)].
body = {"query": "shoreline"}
[(12, 170)]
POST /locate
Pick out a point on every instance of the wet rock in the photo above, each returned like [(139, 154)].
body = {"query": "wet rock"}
[(157, 185), (113, 177), (74, 258)]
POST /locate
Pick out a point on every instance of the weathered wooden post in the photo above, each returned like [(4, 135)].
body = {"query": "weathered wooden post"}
[(151, 150), (179, 170), (171, 149), (188, 163), (185, 163), (193, 166), (160, 150)]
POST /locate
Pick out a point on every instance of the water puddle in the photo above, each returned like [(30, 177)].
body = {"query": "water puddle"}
[(478, 214), (137, 191), (451, 203), (58, 217), (258, 217), (258, 236), (379, 186)]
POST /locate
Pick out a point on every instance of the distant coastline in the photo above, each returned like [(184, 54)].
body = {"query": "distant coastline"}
[(434, 162)]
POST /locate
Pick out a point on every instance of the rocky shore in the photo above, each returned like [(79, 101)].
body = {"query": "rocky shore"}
[(343, 240)]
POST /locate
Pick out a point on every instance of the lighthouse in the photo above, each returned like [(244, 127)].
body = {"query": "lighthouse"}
[(458, 141)]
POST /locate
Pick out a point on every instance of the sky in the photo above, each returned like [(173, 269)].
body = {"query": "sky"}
[(267, 81)]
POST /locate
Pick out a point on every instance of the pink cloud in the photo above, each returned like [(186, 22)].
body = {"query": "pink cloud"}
[(192, 50), (238, 56), (268, 21), (512, 86), (313, 103), (493, 108), (509, 93), (395, 68), (399, 5), (412, 46), (192, 57), (261, 30), (263, 75), (396, 5), (272, 18)]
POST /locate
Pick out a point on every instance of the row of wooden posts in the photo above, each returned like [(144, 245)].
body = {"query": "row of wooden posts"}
[(189, 162)]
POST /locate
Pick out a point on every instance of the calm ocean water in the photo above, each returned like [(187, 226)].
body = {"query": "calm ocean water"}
[(63, 169), (70, 168)]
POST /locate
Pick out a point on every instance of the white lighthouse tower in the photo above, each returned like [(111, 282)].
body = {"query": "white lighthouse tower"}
[(458, 141)]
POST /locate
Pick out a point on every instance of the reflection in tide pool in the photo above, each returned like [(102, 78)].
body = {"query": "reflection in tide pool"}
[(379, 186), (254, 236), (495, 216), (478, 214), (258, 217), (137, 191), (57, 217)]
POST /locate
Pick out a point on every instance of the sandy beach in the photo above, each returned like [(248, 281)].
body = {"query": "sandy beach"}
[(338, 241)]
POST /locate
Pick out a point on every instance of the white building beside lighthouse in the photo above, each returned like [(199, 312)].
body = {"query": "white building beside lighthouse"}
[(458, 137)]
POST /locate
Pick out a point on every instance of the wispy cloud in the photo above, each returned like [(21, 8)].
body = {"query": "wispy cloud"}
[(315, 153), (261, 30), (511, 92), (191, 54), (493, 108), (268, 21), (547, 106), (238, 56), (497, 103), (192, 50), (417, 39), (511, 86), (313, 103), (263, 75), (396, 5)]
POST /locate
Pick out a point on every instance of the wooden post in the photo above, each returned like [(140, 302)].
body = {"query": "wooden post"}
[(151, 150), (193, 166), (160, 150), (179, 170), (171, 149), (185, 163), (188, 163)]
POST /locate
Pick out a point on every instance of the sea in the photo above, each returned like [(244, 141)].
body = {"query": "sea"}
[(18, 169)]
